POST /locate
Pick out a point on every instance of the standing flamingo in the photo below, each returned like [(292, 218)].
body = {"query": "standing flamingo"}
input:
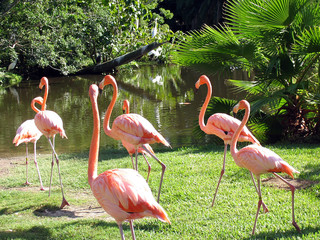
[(28, 132), (50, 123), (131, 148), (122, 193), (131, 128), (259, 160), (223, 126)]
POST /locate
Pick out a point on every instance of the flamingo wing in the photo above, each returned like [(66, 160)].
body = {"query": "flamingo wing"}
[(124, 194), (27, 132), (261, 160), (224, 126), (49, 123), (137, 130)]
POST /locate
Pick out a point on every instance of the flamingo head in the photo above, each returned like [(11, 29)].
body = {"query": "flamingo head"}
[(108, 79), (202, 80), (243, 104), (93, 91), (43, 82), (125, 106)]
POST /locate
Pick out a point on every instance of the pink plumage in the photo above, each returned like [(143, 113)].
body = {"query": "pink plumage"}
[(259, 160), (49, 123), (125, 195), (222, 125), (27, 132), (131, 128), (122, 193)]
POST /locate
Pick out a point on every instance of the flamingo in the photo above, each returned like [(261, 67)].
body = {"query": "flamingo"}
[(259, 160), (223, 126), (131, 128), (50, 123), (130, 148), (28, 132), (122, 193)]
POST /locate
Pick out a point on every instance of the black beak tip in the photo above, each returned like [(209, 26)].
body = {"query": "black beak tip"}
[(100, 91), (234, 114)]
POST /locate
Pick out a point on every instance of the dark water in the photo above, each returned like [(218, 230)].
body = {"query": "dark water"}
[(164, 95)]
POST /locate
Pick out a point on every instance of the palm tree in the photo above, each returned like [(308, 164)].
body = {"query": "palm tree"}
[(278, 42)]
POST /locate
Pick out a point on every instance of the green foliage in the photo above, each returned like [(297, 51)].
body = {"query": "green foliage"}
[(276, 41), (8, 79), (67, 35)]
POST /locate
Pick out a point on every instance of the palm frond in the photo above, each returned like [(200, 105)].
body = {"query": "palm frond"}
[(256, 16), (308, 42)]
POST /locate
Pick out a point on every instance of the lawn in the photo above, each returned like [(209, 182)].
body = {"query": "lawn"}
[(187, 191)]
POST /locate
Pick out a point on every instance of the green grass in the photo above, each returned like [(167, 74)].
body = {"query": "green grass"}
[(189, 183)]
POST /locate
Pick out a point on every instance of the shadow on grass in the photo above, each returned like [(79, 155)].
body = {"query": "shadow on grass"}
[(46, 232), (32, 233), (290, 234)]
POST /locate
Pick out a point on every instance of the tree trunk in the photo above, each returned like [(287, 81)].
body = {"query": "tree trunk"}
[(110, 65)]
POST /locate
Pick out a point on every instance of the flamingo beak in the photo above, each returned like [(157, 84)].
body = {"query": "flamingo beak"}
[(234, 114)]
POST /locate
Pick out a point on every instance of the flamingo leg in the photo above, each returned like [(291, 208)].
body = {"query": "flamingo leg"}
[(52, 163), (259, 205), (132, 230), (292, 188), (64, 201), (265, 208), (132, 161), (163, 170), (221, 174), (27, 182), (121, 231), (36, 163), (149, 166), (137, 159)]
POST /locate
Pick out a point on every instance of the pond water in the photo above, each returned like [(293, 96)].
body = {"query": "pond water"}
[(165, 95)]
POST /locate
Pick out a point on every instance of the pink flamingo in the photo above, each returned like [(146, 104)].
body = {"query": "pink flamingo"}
[(259, 160), (223, 126), (122, 193), (131, 128), (28, 132), (131, 148), (50, 123)]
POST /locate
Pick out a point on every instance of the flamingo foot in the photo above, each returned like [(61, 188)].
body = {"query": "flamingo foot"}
[(296, 226), (27, 183), (64, 203), (42, 189)]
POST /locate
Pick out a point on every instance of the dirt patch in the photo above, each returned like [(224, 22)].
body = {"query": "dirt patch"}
[(8, 163), (298, 183), (75, 212)]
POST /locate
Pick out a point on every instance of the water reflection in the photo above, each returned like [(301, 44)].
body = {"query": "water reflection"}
[(164, 95)]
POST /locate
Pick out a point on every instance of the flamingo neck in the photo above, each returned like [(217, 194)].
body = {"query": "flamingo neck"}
[(33, 106), (233, 145), (204, 107), (106, 121), (95, 142), (46, 85)]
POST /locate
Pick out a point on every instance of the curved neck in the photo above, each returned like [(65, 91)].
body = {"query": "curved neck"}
[(204, 106), (95, 142), (46, 85), (233, 145), (33, 106), (106, 121)]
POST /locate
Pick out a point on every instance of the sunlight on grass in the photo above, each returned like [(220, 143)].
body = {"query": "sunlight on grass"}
[(189, 183)]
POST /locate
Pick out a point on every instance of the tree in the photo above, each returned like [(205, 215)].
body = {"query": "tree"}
[(64, 36), (278, 43)]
